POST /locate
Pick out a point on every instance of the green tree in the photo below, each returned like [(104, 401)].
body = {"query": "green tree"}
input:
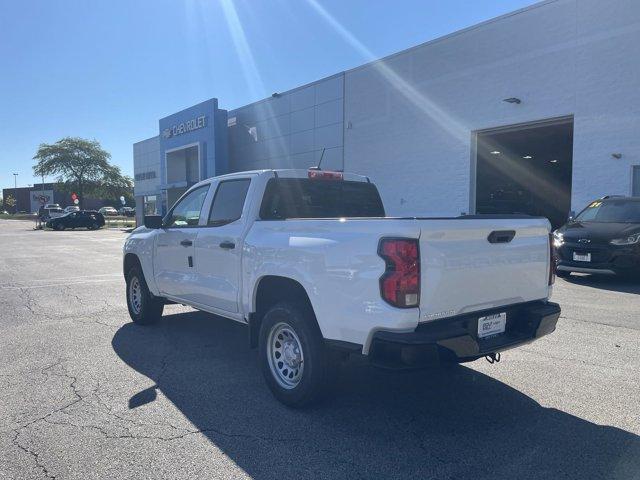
[(9, 202), (108, 190), (81, 165)]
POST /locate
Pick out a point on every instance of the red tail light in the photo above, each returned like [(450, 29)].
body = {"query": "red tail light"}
[(552, 261), (400, 283)]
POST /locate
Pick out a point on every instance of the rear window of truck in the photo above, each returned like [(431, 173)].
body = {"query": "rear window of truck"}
[(303, 198)]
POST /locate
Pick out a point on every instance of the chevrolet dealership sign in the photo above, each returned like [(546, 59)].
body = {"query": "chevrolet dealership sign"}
[(185, 127)]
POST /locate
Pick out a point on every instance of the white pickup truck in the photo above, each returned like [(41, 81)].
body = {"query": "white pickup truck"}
[(308, 260)]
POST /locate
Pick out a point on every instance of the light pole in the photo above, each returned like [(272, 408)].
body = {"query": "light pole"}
[(15, 191)]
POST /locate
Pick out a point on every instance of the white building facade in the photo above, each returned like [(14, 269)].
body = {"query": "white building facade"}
[(554, 89)]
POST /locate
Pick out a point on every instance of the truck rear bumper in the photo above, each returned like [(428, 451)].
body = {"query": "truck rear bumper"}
[(456, 338)]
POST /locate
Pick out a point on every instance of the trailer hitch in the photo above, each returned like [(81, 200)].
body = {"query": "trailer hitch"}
[(493, 358)]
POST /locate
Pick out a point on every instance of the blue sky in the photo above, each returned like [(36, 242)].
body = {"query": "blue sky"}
[(108, 70)]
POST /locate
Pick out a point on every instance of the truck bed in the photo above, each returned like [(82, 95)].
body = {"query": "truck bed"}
[(337, 261)]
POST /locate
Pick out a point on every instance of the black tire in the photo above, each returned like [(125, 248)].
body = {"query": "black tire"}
[(563, 274), (144, 307), (58, 226), (315, 366)]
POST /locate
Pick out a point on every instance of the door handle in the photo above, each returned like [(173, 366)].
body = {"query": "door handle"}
[(186, 243), (501, 236), (228, 245)]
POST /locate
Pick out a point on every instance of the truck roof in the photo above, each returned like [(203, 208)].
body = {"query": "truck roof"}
[(283, 173)]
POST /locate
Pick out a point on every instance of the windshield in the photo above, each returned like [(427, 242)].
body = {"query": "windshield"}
[(611, 211)]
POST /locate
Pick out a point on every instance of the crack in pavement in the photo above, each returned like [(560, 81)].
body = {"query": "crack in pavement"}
[(124, 424), (110, 412), (168, 438), (78, 398), (29, 301), (34, 454)]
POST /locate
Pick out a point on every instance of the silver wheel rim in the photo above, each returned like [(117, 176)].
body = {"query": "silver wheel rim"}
[(286, 359), (135, 295)]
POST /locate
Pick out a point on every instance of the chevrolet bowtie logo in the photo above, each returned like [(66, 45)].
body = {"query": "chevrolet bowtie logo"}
[(584, 240)]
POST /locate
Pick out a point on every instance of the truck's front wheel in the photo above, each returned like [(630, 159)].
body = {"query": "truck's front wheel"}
[(292, 354), (144, 307)]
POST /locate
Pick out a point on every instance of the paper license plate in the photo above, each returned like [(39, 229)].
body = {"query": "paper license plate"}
[(492, 325)]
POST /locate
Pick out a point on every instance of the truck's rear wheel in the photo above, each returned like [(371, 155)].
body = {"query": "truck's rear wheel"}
[(292, 354), (144, 307)]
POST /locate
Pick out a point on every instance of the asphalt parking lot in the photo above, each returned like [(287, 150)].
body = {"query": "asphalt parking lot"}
[(86, 394)]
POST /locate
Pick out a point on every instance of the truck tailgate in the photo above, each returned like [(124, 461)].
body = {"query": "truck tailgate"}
[(464, 270)]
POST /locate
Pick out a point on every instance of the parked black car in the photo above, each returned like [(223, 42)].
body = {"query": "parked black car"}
[(604, 238), (89, 219)]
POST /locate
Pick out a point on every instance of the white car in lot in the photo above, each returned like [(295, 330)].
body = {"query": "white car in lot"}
[(108, 211), (309, 262), (48, 212)]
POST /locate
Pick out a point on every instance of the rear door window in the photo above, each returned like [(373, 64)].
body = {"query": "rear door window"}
[(228, 202), (304, 198)]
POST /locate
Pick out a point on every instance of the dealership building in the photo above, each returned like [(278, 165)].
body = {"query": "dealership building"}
[(536, 111)]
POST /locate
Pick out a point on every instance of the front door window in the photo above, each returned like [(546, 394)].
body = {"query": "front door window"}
[(186, 213)]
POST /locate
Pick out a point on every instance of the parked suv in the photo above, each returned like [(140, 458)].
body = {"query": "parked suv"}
[(603, 239)]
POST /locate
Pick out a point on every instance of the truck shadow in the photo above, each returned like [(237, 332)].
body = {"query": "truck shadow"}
[(455, 423)]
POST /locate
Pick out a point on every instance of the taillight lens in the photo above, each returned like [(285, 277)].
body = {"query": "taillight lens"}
[(400, 283), (324, 175), (552, 261)]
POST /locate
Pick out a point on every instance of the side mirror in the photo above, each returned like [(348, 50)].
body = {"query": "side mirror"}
[(153, 221)]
